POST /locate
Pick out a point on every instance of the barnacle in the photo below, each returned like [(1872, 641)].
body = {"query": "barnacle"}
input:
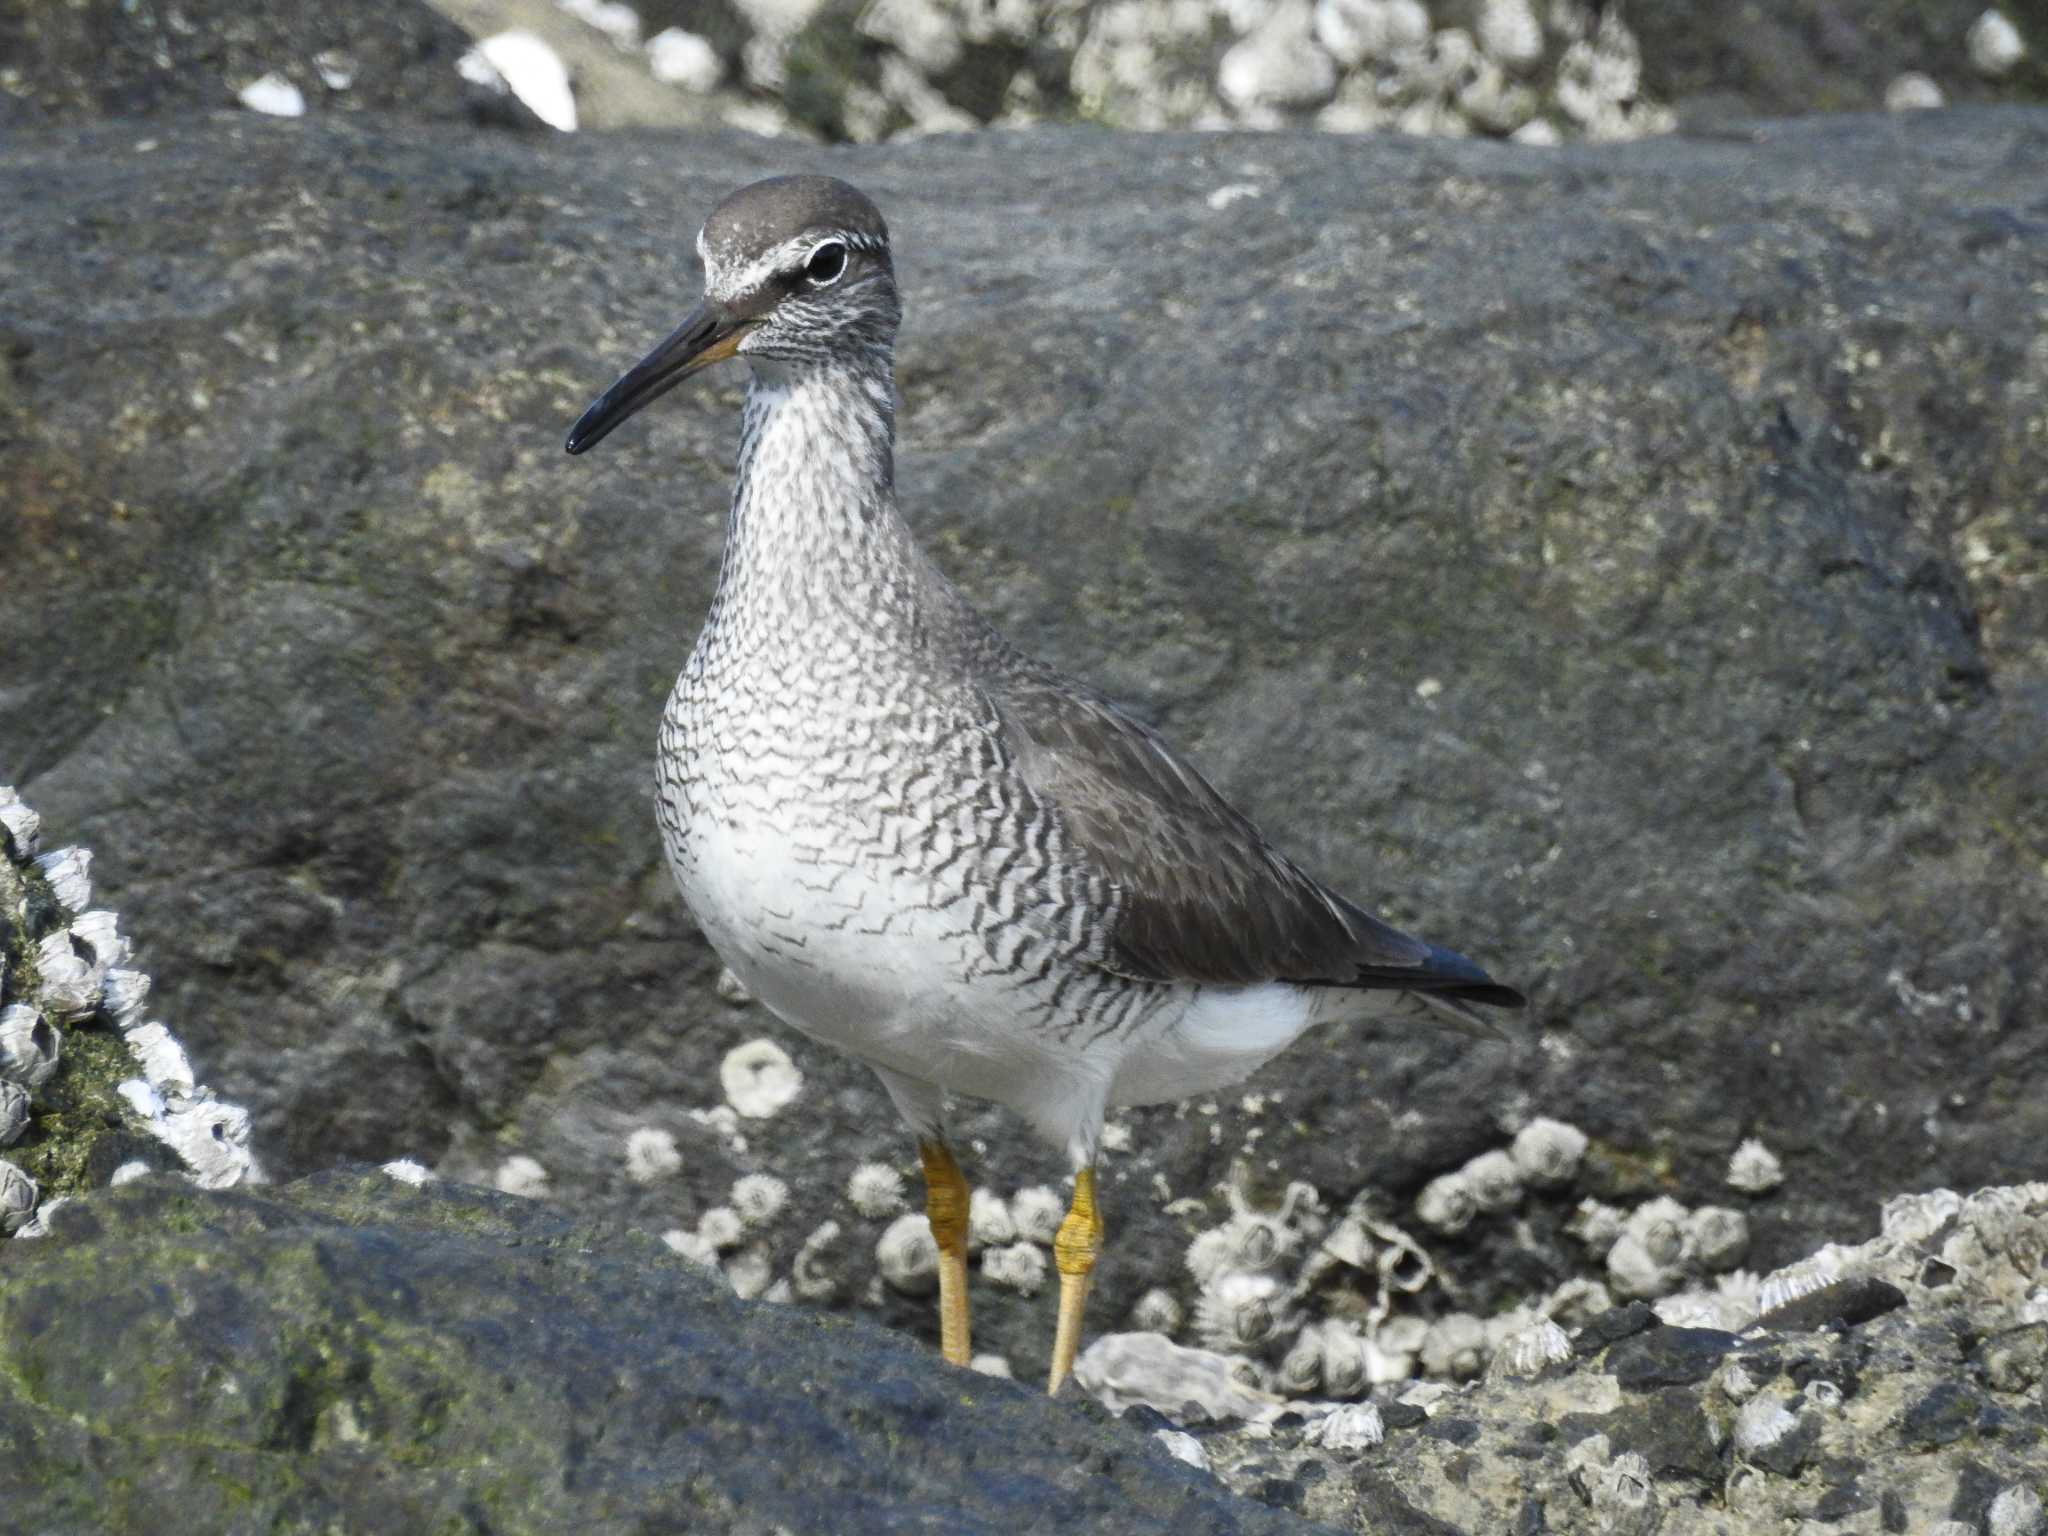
[(521, 1175), (810, 1277), (875, 1190), (1036, 1212), (13, 1112), (1548, 1152), (1719, 1236), (17, 1199), (907, 1256), (1157, 1311), (988, 1221), (759, 1078), (759, 1198), (1493, 1180), (1447, 1203), (1020, 1267), (1454, 1346), (1531, 1349), (69, 872), (71, 987), (1347, 1430), (1754, 1168), (651, 1154), (29, 1046)]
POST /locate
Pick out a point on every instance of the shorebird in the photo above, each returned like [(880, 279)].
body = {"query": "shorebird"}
[(915, 843)]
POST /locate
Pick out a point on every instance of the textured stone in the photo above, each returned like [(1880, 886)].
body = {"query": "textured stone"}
[(1729, 529), (414, 1359)]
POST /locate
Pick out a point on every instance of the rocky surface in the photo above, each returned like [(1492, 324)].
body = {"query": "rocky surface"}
[(1791, 56), (92, 1089), (1892, 1386), (1537, 70), (355, 1353), (1901, 1395), (368, 1352), (65, 62), (1625, 564)]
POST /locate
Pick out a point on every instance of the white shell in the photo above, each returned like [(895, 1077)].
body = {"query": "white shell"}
[(651, 1154), (759, 1078), (810, 1276), (1548, 1152), (988, 1221), (1037, 1211), (1454, 1347), (1632, 1270), (29, 1046), (163, 1061), (13, 1112), (907, 1256), (17, 1199), (1719, 1236), (1914, 92), (122, 995), (38, 1225), (213, 1139), (750, 1271), (1120, 1369), (722, 1228), (1494, 1181), (1157, 1311), (1919, 1219), (1446, 1204), (22, 826), (100, 931), (990, 1365), (759, 1198), (1347, 1430), (521, 1175), (692, 1248), (1995, 45), (1761, 1424), (1596, 1224), (1533, 1349), (1020, 1267), (875, 1190), (69, 872), (1347, 1363), (70, 986), (1182, 1446), (1239, 1312), (1754, 1168), (2016, 1512), (403, 1169)]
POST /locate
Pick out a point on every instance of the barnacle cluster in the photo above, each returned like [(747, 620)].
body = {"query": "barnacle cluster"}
[(67, 996)]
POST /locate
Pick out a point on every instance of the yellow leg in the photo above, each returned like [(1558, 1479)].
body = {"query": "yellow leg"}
[(945, 1207), (1073, 1252)]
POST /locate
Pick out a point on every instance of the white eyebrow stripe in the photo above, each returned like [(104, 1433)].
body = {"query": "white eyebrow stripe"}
[(787, 256)]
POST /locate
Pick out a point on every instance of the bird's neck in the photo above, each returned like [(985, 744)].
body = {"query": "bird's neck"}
[(816, 494)]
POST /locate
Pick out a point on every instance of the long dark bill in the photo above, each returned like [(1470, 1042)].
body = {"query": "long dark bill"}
[(705, 337)]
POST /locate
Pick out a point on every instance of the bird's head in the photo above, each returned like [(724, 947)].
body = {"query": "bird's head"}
[(796, 273)]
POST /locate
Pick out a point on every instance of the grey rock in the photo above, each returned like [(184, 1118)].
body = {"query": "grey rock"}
[(1819, 55), (69, 63), (417, 1359), (1700, 478)]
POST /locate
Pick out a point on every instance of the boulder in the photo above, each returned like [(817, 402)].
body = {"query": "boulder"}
[(1624, 565), (354, 1353)]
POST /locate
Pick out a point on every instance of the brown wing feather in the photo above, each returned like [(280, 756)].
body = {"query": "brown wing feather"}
[(1204, 898)]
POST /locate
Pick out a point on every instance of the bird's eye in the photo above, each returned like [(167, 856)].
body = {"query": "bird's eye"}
[(827, 264)]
